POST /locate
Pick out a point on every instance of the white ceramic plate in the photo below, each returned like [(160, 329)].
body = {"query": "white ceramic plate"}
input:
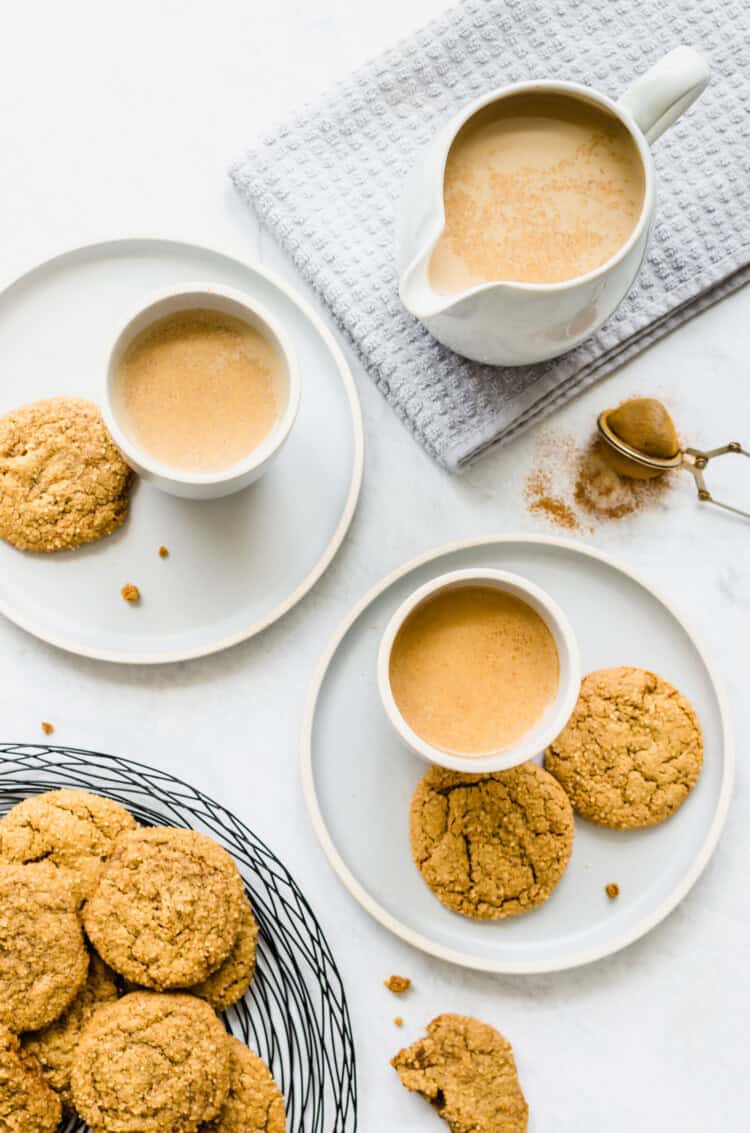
[(235, 565), (358, 779)]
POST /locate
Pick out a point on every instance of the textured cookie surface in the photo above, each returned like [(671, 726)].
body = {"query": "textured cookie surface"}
[(492, 845), (54, 1046), (467, 1071), (62, 481), (229, 983), (254, 1103), (151, 1063), (27, 1104), (166, 912), (72, 830), (631, 752), (43, 959)]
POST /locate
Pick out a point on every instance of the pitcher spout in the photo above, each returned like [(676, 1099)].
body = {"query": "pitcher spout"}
[(418, 295)]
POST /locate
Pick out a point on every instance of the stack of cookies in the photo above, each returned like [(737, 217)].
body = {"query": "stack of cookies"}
[(495, 845), (118, 946)]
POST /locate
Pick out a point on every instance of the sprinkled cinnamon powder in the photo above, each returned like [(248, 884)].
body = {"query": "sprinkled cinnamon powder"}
[(539, 501), (603, 494), (571, 486)]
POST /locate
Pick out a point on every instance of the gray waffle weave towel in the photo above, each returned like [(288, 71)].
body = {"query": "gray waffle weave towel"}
[(327, 185)]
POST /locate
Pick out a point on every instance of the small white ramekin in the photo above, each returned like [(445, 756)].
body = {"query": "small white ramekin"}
[(179, 481), (553, 720)]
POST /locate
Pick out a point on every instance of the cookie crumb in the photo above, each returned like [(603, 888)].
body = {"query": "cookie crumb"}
[(163, 552), (398, 984), (398, 1021), (47, 728), (130, 592), (612, 890)]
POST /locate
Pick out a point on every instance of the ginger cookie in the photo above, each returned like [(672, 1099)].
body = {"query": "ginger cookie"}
[(153, 1063), (254, 1103), (228, 984), (54, 1046), (166, 912), (72, 830), (491, 845), (27, 1104), (631, 752), (43, 959), (467, 1071), (62, 481)]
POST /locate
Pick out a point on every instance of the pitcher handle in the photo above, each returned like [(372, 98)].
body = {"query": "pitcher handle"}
[(658, 98)]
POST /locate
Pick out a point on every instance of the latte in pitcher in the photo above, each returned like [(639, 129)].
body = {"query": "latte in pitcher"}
[(539, 188)]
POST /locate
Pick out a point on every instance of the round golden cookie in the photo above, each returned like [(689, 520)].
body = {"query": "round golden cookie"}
[(228, 984), (27, 1104), (631, 752), (254, 1103), (467, 1071), (167, 909), (72, 830), (43, 959), (54, 1046), (62, 481), (152, 1063), (493, 845)]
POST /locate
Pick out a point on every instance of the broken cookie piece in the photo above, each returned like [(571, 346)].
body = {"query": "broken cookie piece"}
[(466, 1070)]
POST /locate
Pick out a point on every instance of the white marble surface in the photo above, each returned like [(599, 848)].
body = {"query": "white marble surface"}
[(119, 119)]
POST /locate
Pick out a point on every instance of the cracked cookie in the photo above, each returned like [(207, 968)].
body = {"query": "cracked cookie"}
[(62, 481), (466, 1070), (166, 911), (54, 1046), (228, 984), (72, 830), (491, 845), (153, 1063), (27, 1104), (43, 959), (631, 752), (254, 1103)]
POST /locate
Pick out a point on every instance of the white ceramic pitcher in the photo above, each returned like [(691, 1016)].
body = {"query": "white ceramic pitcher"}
[(509, 323)]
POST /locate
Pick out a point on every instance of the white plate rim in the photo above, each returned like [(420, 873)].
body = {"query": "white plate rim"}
[(467, 960), (355, 483)]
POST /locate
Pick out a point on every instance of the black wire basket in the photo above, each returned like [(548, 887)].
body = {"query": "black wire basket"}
[(295, 1014)]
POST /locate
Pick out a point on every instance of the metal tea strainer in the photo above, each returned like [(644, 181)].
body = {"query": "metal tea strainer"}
[(642, 442)]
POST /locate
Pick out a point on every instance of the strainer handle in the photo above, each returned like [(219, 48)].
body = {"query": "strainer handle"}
[(695, 461)]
